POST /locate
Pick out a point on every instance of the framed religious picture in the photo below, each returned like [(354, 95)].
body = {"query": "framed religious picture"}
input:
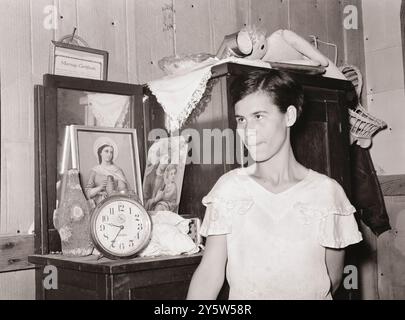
[(64, 101), (76, 61), (107, 160), (164, 172)]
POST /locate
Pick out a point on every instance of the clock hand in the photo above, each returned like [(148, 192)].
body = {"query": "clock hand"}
[(121, 228), (114, 225)]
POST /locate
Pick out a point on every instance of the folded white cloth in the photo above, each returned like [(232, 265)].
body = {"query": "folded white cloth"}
[(169, 236), (179, 94)]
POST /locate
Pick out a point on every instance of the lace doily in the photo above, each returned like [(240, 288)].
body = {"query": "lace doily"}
[(179, 94)]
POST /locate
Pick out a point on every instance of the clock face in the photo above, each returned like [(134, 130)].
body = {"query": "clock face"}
[(120, 227)]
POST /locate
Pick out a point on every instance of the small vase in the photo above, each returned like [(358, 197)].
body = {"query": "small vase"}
[(72, 218)]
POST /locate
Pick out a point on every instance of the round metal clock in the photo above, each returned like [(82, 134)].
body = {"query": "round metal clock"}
[(120, 227)]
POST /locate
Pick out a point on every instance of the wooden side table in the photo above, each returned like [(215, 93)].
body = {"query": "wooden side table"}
[(160, 278)]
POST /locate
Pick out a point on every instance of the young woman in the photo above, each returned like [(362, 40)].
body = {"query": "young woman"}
[(98, 185), (276, 227)]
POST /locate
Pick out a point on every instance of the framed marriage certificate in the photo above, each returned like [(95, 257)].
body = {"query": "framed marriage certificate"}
[(76, 61)]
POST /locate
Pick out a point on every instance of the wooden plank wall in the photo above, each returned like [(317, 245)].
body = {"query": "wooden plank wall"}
[(391, 252), (386, 98), (137, 33), (385, 78)]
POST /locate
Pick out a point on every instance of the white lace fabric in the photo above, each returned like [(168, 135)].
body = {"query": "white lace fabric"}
[(179, 94), (109, 110)]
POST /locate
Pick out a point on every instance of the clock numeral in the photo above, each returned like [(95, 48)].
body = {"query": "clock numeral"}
[(140, 227), (106, 236), (122, 246), (130, 210), (112, 244), (105, 219), (102, 227), (111, 211), (131, 243), (121, 208), (137, 235)]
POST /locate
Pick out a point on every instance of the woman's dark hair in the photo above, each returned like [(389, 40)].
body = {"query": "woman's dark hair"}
[(100, 149), (278, 85)]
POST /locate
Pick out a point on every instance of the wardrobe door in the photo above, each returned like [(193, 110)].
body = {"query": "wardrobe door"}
[(320, 139), (309, 138)]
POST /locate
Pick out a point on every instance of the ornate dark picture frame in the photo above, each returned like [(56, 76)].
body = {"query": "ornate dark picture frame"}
[(50, 122)]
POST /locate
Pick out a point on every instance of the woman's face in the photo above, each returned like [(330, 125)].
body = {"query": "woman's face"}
[(171, 176), (261, 125), (107, 154)]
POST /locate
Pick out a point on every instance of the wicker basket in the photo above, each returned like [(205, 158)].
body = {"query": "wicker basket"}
[(363, 125)]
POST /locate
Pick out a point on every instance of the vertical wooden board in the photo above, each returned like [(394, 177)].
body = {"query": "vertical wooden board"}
[(18, 285), (384, 70), (243, 11), (270, 14), (43, 31), (298, 16), (225, 19), (67, 17), (390, 139), (150, 38), (368, 285), (20, 176), (393, 23), (389, 156), (102, 23), (18, 196), (391, 251), (193, 31), (132, 41), (308, 18), (16, 70), (16, 114), (354, 44), (382, 26), (334, 30), (374, 22)]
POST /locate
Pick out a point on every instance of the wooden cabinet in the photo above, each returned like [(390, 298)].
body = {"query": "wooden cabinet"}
[(320, 141)]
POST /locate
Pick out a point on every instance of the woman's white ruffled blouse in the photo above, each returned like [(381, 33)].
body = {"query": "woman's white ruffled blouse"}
[(276, 242)]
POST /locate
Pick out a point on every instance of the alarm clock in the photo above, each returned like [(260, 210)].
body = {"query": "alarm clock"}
[(120, 227)]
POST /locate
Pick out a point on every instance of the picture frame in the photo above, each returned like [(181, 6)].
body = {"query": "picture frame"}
[(60, 102), (106, 155), (164, 174), (76, 61)]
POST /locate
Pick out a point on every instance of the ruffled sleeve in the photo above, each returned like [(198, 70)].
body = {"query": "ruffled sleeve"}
[(224, 200), (338, 227), (217, 219)]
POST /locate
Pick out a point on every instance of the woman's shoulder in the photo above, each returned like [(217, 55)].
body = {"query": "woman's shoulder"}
[(329, 193), (231, 177), (229, 185), (325, 182)]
